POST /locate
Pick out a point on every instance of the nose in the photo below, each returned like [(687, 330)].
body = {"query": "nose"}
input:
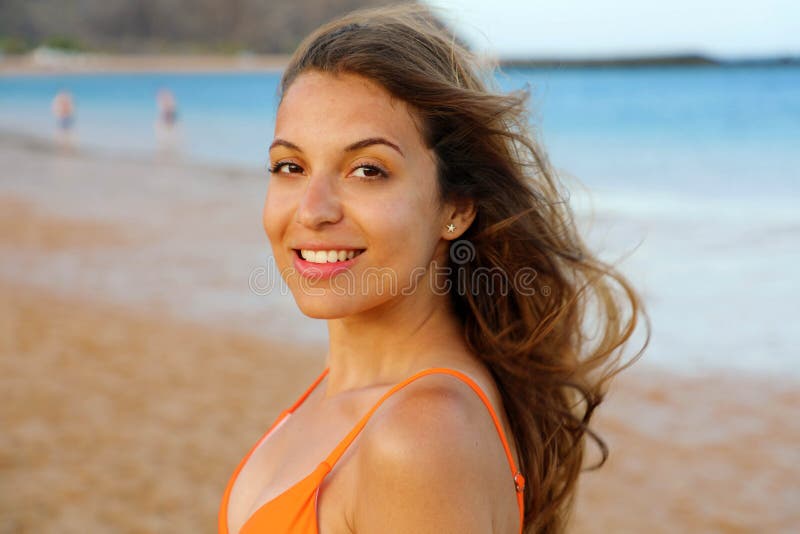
[(319, 203)]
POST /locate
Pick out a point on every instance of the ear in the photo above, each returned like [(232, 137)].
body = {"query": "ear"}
[(457, 217)]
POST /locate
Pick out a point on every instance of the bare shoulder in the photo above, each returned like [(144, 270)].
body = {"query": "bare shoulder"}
[(430, 460)]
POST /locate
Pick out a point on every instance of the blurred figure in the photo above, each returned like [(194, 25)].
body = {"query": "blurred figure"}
[(167, 134), (167, 108), (63, 109)]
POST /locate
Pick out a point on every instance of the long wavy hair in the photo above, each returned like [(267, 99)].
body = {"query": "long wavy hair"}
[(553, 347)]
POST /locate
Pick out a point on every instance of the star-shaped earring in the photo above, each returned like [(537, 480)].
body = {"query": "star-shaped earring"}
[(451, 228)]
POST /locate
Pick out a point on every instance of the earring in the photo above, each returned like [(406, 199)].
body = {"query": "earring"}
[(451, 228)]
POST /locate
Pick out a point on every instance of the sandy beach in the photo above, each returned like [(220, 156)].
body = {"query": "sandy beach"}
[(138, 364)]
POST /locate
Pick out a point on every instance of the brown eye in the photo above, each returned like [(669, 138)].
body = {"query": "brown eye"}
[(286, 167), (369, 172)]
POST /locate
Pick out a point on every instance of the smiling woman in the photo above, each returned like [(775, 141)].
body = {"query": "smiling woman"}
[(360, 180), (409, 207)]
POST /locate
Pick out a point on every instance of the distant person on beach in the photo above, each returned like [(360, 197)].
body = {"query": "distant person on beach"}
[(63, 109), (167, 108), (166, 127), (409, 206)]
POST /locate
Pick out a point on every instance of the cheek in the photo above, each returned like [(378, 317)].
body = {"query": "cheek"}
[(275, 216), (405, 232)]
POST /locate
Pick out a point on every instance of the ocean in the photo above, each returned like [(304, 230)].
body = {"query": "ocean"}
[(706, 130), (691, 175)]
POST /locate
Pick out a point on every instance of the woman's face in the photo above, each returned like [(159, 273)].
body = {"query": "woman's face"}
[(352, 180)]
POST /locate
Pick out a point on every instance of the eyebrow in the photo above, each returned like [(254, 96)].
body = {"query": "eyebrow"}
[(373, 141), (287, 144), (370, 141)]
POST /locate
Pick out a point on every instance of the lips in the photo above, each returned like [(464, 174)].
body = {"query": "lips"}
[(323, 269), (322, 256)]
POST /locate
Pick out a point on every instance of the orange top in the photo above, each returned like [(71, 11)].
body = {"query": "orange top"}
[(295, 510)]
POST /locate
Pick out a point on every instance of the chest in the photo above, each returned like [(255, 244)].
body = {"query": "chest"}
[(289, 454)]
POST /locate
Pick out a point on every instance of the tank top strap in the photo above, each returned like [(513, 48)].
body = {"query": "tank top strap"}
[(345, 443)]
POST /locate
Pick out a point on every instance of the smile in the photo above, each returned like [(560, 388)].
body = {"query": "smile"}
[(327, 256)]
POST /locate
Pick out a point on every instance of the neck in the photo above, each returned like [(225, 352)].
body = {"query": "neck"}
[(385, 345)]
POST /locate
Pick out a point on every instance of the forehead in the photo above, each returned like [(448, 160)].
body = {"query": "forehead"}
[(344, 104)]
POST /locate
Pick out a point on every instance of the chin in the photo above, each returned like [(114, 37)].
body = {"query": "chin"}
[(320, 312), (325, 306)]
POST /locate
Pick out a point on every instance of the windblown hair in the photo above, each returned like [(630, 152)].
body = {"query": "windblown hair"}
[(551, 370)]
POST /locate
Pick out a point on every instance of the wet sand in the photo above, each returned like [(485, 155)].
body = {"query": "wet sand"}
[(127, 413)]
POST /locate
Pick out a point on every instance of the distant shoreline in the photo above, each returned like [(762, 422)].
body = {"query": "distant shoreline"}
[(46, 61), (678, 60), (50, 61)]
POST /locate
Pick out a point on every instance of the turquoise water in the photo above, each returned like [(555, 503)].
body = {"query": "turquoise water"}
[(704, 130), (224, 118)]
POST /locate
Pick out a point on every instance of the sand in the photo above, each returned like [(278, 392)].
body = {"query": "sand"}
[(126, 411)]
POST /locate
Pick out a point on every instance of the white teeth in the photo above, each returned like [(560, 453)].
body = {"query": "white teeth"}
[(328, 256)]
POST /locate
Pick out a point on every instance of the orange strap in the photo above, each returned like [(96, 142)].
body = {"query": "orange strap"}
[(223, 514), (519, 480), (311, 388)]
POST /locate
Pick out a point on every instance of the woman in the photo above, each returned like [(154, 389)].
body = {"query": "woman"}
[(409, 207)]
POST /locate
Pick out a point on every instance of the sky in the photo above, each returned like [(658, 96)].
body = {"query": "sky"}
[(592, 28)]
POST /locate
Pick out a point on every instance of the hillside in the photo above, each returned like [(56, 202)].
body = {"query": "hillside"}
[(263, 26)]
